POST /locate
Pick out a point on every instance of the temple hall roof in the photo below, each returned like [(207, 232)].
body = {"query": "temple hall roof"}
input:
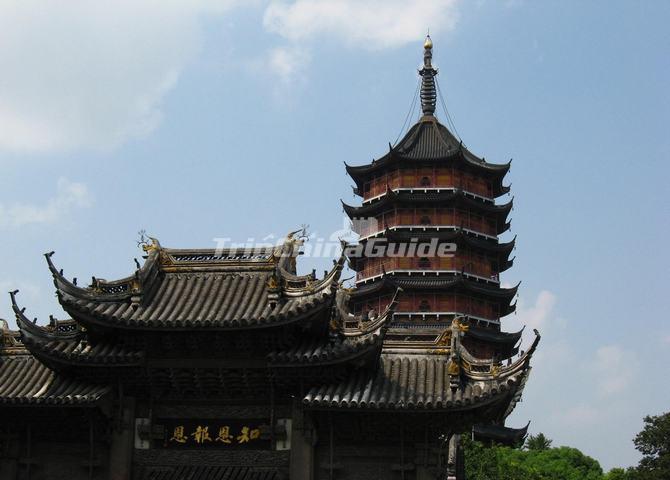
[(409, 382), (178, 289), (423, 381), (24, 380)]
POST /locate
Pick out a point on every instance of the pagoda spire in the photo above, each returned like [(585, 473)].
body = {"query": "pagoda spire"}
[(428, 91)]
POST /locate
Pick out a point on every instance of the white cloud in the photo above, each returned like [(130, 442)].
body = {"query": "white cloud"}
[(370, 24), (614, 369), (367, 24), (539, 315), (536, 316), (91, 74), (69, 196), (288, 62)]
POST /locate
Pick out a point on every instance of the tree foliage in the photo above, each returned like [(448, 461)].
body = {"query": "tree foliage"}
[(539, 461), (620, 474), (654, 444), (504, 463), (538, 442)]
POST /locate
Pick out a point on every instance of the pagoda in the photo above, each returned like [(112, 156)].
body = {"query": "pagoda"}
[(227, 364), (429, 215)]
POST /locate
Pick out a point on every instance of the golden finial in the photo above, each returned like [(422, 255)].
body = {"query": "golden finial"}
[(428, 43)]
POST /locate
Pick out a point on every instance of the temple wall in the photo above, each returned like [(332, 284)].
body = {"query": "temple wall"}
[(371, 461), (431, 302), (435, 177), (35, 458)]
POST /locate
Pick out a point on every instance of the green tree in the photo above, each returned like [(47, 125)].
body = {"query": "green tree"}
[(654, 444), (620, 474), (481, 462), (504, 463), (538, 442)]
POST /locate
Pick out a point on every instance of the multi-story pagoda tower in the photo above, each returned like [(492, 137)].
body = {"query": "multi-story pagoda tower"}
[(429, 206)]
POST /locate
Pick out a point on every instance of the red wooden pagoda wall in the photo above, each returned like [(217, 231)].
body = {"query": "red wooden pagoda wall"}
[(427, 177)]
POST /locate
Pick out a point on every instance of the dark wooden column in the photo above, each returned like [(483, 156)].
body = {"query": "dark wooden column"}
[(122, 438), (303, 438)]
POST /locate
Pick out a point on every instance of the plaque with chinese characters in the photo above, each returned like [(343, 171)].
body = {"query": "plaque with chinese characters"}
[(252, 434)]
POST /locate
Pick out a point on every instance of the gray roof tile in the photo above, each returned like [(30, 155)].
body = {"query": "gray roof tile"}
[(24, 380), (410, 381)]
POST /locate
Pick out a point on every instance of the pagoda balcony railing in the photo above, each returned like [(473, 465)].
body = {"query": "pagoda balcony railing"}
[(428, 218), (465, 191), (367, 233), (461, 263), (437, 320), (371, 273)]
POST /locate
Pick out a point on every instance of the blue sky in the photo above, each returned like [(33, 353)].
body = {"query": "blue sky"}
[(207, 119)]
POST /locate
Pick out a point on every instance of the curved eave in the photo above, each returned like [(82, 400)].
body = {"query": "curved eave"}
[(25, 381), (501, 250), (455, 283), (384, 284), (457, 236), (504, 263), (64, 354), (360, 173), (393, 387), (291, 305), (520, 366), (343, 351), (363, 328), (63, 285), (461, 237), (305, 310), (500, 434), (508, 339), (413, 148), (30, 328), (56, 348), (444, 199), (363, 173), (311, 287), (304, 280)]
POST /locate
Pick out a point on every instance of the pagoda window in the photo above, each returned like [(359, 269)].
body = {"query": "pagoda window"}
[(424, 305), (394, 179), (425, 220), (424, 262), (425, 182)]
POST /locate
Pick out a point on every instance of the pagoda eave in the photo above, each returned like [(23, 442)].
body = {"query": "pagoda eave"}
[(442, 197), (361, 173), (499, 434), (462, 238), (454, 283)]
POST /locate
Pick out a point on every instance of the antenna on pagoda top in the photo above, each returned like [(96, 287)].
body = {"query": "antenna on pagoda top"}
[(428, 72)]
